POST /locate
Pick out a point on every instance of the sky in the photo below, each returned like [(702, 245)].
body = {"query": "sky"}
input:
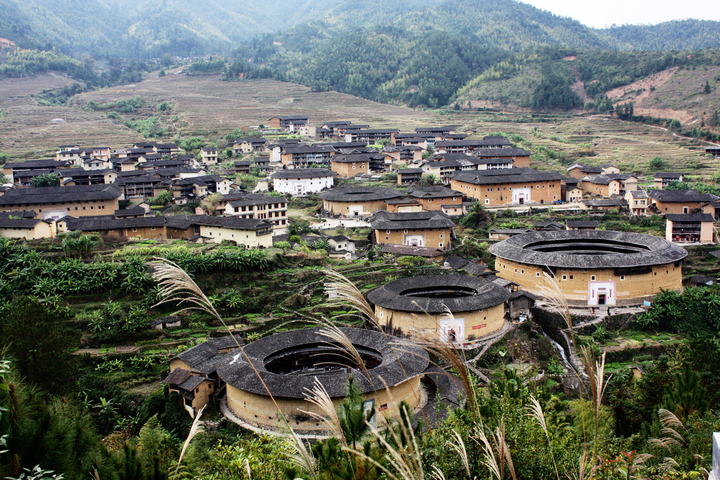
[(604, 13)]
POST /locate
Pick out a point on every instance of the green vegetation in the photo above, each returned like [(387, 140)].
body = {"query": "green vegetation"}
[(45, 180)]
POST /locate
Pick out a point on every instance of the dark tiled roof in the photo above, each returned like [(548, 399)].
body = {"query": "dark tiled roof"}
[(501, 152), (79, 193), (109, 222), (204, 358), (360, 194), (383, 220), (678, 196), (177, 376), (433, 192), (510, 175), (401, 360), (609, 202), (472, 268), (304, 173), (246, 199), (690, 217), (668, 175), (133, 211), (7, 222), (35, 164), (351, 158), (591, 249), (639, 194), (409, 171), (406, 294)]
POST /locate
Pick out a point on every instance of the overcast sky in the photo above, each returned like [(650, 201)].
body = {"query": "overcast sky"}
[(603, 13)]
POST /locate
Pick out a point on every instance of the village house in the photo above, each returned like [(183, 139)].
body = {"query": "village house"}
[(607, 185), (79, 176), (515, 157), (690, 228), (713, 150), (56, 202), (582, 224), (357, 201), (249, 145), (193, 373), (403, 205), (256, 206), (350, 165), (372, 136), (429, 254), (209, 155), (444, 166), (306, 156), (681, 201), (468, 146), (662, 179), (303, 181), (20, 173), (18, 225), (580, 170), (604, 205), (516, 186), (409, 176), (289, 123), (572, 191), (637, 201), (252, 233), (436, 133), (420, 229), (436, 197), (404, 155)]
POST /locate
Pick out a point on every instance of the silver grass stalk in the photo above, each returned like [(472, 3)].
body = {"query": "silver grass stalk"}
[(301, 456), (318, 396), (405, 461), (194, 430), (456, 443), (536, 412), (348, 294), (489, 459)]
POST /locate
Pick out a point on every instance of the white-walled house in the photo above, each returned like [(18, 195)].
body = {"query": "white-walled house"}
[(303, 181)]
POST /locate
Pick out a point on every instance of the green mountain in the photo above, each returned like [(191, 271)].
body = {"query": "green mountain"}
[(668, 36)]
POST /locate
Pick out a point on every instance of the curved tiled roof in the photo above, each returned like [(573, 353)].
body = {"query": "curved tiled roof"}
[(401, 360), (360, 194), (588, 249), (424, 294)]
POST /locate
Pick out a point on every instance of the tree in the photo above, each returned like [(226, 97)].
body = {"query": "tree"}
[(299, 227), (707, 87), (714, 120), (39, 341), (46, 180), (685, 396), (656, 163), (429, 180), (4, 179)]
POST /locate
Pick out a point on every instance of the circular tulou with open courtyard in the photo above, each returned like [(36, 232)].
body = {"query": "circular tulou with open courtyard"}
[(419, 305), (593, 267), (289, 364)]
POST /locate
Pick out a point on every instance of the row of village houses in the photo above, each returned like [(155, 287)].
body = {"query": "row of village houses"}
[(418, 218)]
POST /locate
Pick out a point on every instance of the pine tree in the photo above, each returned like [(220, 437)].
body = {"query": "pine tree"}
[(685, 396), (707, 87)]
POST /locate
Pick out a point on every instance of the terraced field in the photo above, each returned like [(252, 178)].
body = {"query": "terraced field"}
[(207, 106)]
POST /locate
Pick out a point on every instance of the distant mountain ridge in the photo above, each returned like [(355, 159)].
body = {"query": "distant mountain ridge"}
[(150, 28)]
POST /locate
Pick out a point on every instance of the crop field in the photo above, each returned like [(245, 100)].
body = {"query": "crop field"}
[(27, 129), (208, 106)]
